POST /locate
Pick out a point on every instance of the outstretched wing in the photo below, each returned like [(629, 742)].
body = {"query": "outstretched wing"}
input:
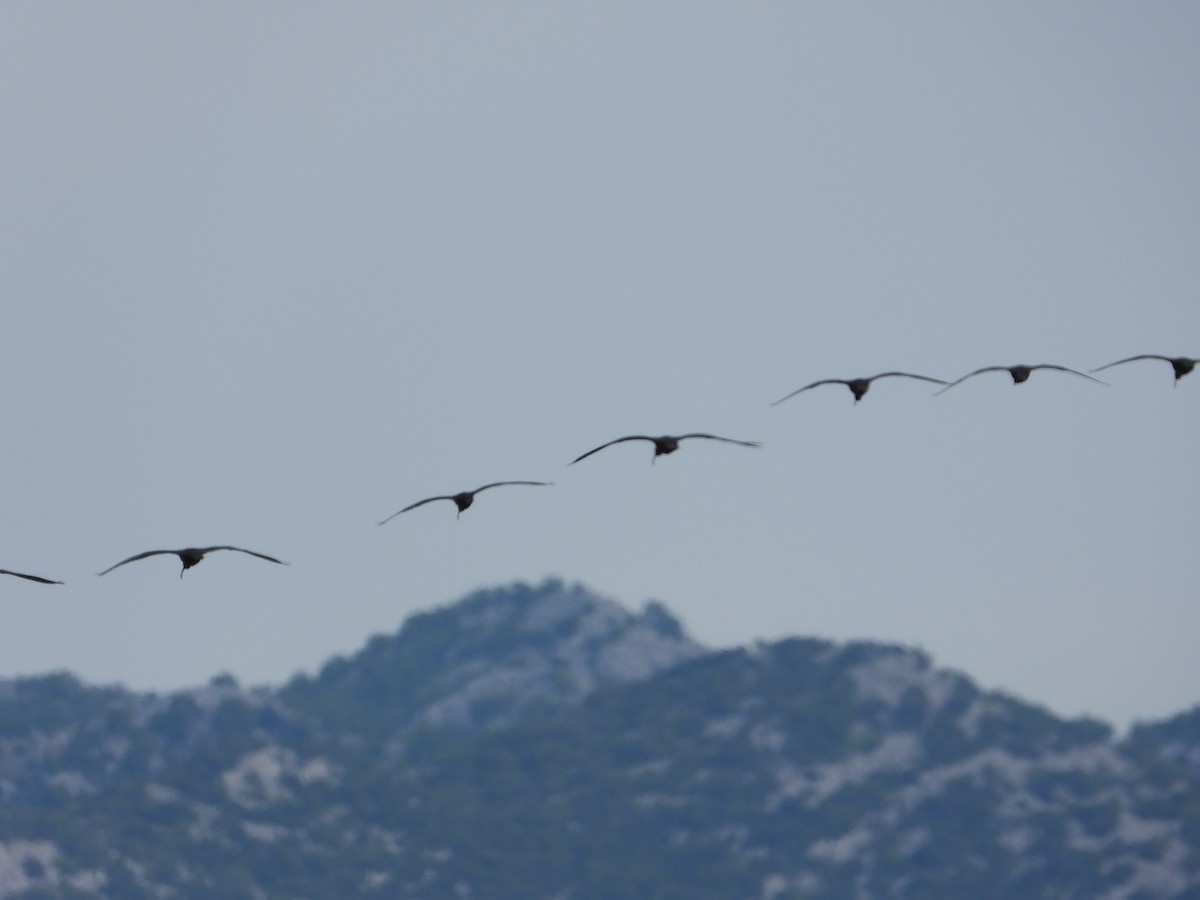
[(1131, 359), (628, 437), (500, 483), (36, 578), (1065, 369), (414, 506), (813, 385), (714, 437), (135, 558), (907, 375), (972, 375), (243, 550)]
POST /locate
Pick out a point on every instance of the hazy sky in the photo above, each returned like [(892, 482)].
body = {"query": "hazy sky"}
[(270, 272)]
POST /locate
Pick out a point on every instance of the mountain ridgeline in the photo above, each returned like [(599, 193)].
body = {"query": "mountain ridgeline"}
[(543, 742)]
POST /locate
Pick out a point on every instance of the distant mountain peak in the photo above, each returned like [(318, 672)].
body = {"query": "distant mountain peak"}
[(557, 644), (485, 660), (894, 671)]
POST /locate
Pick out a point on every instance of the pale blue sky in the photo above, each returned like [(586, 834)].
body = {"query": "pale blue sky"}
[(271, 272)]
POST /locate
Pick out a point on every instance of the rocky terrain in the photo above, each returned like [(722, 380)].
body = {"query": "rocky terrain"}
[(540, 741)]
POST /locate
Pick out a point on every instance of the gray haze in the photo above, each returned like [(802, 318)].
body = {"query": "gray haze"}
[(269, 273)]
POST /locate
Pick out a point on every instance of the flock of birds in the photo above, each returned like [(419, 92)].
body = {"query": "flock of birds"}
[(663, 445)]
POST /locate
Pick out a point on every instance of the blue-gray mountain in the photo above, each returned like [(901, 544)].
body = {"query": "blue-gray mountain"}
[(542, 742)]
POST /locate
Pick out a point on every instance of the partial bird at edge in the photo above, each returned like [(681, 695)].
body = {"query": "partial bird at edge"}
[(36, 578), (1181, 364)]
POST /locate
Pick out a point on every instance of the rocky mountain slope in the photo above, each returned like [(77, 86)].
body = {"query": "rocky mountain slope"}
[(545, 742)]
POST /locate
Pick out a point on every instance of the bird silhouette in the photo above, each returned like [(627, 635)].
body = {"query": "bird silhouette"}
[(1020, 374), (463, 500), (190, 556), (663, 445), (1181, 364), (36, 578), (858, 386)]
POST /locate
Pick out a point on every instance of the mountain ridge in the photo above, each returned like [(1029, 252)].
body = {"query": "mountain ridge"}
[(544, 741)]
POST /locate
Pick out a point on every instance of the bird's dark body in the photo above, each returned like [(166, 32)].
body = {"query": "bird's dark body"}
[(190, 556), (664, 445), (859, 387), (1182, 366)]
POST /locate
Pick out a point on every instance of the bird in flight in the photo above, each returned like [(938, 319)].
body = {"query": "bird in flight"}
[(30, 577), (463, 500), (663, 445), (858, 386), (190, 556), (1181, 364), (1020, 374)]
